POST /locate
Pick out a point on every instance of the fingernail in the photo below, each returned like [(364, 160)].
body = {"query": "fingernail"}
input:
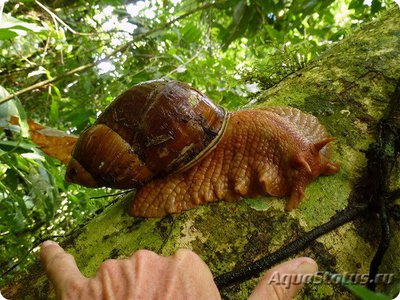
[(306, 267), (48, 243)]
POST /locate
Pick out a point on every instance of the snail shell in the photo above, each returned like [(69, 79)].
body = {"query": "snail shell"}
[(153, 129)]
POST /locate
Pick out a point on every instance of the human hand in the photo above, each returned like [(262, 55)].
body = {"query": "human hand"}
[(146, 275)]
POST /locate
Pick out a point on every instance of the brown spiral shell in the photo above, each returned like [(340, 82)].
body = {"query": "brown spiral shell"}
[(153, 129)]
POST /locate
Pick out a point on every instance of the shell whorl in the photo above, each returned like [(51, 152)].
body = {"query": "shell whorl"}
[(156, 128)]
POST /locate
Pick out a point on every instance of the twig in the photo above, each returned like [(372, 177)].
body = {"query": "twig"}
[(382, 157), (255, 268), (112, 195), (380, 252), (184, 63), (46, 47), (55, 17), (36, 244), (120, 49), (48, 81)]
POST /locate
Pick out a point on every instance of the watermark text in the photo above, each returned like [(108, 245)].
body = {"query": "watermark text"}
[(287, 280)]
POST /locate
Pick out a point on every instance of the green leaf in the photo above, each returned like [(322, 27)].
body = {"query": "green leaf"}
[(11, 27), (11, 179), (6, 34), (191, 33), (274, 34), (376, 6), (9, 145), (364, 293), (23, 121), (238, 11), (8, 21), (3, 92), (241, 20), (18, 221), (355, 4), (13, 108), (358, 290), (306, 8), (54, 109), (7, 110)]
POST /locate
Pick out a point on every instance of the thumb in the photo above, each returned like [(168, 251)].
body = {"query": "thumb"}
[(285, 280), (59, 265)]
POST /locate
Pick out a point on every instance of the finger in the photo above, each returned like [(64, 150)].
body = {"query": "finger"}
[(59, 265), (195, 276), (192, 263), (285, 280)]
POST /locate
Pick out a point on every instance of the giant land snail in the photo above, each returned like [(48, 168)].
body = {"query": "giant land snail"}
[(180, 150)]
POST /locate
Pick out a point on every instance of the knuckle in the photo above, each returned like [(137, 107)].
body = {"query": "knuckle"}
[(144, 254), (109, 265), (186, 254), (74, 284)]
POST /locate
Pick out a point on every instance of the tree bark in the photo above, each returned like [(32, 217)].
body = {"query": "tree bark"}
[(349, 88)]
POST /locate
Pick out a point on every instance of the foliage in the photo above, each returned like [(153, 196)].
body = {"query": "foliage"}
[(227, 48)]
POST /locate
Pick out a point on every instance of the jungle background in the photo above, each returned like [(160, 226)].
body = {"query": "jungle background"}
[(231, 50)]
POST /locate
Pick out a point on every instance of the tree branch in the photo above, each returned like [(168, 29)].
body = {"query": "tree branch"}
[(120, 49)]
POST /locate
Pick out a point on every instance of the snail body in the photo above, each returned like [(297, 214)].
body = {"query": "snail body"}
[(275, 151)]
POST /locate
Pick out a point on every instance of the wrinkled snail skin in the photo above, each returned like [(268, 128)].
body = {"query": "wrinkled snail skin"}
[(180, 150), (275, 151)]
